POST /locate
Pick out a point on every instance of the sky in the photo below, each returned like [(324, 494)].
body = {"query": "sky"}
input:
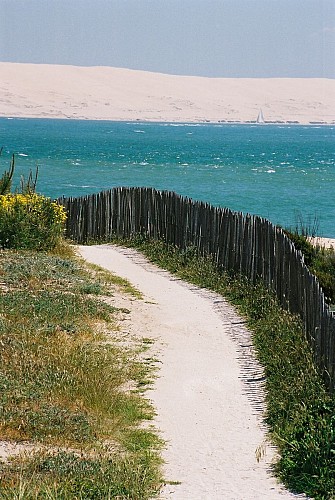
[(213, 38)]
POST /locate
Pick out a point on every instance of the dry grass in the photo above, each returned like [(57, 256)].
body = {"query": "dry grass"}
[(62, 384)]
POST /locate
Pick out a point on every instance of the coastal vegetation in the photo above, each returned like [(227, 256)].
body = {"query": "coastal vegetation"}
[(319, 260), (28, 220), (71, 390), (72, 395), (300, 411)]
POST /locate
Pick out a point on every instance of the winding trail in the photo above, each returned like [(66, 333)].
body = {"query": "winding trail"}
[(209, 392)]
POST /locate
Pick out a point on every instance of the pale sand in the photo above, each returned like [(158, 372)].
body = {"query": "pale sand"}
[(323, 242), (54, 91), (208, 394)]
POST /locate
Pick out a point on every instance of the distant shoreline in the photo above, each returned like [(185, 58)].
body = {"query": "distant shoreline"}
[(206, 122)]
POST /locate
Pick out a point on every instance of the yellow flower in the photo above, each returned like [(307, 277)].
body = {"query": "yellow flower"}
[(30, 214)]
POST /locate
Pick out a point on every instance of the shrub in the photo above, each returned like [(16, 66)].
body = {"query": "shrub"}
[(30, 221)]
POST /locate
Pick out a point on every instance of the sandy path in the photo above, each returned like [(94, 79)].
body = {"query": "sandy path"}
[(209, 391)]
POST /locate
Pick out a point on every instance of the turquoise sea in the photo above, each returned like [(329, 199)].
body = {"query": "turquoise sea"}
[(284, 173)]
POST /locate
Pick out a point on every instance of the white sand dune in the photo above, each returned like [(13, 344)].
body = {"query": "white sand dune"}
[(106, 93), (208, 394)]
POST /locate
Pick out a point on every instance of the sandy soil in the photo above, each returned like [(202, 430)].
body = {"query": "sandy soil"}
[(54, 91), (209, 392), (323, 242)]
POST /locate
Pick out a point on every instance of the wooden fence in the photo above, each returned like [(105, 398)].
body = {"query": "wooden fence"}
[(245, 244)]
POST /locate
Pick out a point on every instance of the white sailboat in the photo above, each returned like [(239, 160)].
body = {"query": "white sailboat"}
[(260, 117)]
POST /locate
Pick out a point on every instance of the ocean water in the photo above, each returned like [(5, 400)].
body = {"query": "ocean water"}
[(283, 173)]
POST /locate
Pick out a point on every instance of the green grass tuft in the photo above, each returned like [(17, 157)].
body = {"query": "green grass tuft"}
[(66, 475)]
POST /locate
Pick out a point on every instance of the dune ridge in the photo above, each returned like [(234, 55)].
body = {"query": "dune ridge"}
[(107, 93)]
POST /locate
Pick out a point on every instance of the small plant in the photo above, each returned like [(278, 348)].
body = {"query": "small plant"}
[(309, 228), (6, 179), (29, 186)]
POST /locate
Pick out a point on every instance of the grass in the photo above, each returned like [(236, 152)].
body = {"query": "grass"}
[(63, 383), (320, 261), (122, 284), (300, 412)]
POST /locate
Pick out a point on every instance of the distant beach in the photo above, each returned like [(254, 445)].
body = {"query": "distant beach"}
[(323, 242), (106, 93)]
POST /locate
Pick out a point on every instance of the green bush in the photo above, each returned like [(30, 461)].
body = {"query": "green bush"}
[(30, 221)]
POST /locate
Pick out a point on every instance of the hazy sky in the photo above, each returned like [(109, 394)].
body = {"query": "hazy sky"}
[(220, 38)]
